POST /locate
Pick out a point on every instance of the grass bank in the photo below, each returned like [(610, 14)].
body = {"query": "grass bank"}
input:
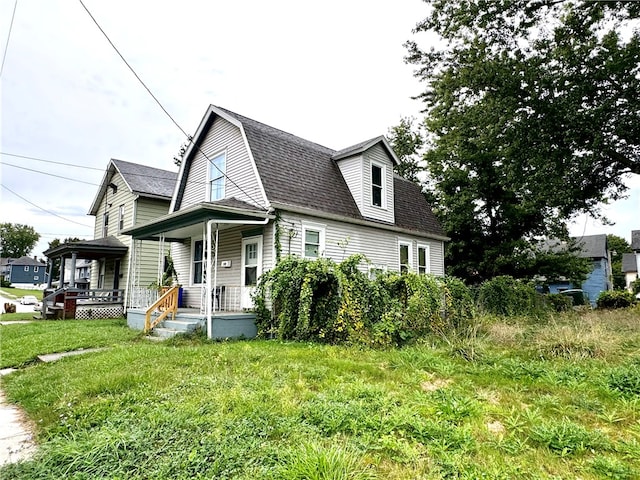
[(18, 293), (538, 401)]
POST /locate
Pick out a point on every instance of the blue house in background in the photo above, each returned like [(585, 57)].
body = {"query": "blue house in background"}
[(27, 271), (595, 248)]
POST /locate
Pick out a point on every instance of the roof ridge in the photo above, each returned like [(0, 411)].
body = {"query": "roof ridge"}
[(268, 128)]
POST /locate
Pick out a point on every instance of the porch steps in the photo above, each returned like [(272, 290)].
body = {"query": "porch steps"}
[(171, 328)]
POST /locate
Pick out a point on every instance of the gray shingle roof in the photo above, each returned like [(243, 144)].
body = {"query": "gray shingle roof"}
[(22, 261), (145, 180), (629, 262), (301, 173), (635, 240), (591, 246)]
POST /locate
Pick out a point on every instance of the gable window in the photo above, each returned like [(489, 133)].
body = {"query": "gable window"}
[(423, 259), (313, 240), (105, 224), (217, 168), (198, 262), (121, 217), (404, 253), (377, 185)]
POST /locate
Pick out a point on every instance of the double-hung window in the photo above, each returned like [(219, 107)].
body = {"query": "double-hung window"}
[(312, 240), (120, 217), (423, 259), (377, 185), (198, 262), (404, 254), (105, 224), (217, 170)]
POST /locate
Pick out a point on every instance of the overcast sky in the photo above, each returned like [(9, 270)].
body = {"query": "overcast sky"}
[(331, 72)]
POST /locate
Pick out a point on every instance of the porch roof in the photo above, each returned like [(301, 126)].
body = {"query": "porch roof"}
[(176, 225), (108, 247)]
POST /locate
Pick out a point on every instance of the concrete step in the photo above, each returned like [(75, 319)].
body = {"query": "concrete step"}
[(179, 325), (161, 332)]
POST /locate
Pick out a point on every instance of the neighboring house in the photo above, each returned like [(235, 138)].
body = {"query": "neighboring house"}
[(27, 271), (83, 274), (261, 192), (129, 195), (5, 267), (630, 269), (595, 248), (635, 246)]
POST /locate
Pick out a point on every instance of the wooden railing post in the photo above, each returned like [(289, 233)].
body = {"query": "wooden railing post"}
[(167, 304)]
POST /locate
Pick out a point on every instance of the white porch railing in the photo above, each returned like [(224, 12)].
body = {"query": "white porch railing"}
[(142, 297), (228, 298)]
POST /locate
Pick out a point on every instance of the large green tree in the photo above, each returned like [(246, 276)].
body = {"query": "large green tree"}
[(533, 116), (17, 240)]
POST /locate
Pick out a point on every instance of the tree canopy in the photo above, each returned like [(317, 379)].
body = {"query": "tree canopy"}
[(532, 116), (17, 240)]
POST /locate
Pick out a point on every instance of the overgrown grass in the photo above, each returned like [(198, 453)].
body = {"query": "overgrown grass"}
[(22, 343), (14, 317), (191, 408)]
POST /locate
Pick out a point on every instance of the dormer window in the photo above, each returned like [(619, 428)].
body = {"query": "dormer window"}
[(217, 167), (377, 185)]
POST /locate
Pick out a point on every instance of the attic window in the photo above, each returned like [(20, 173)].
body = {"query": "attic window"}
[(217, 167), (377, 185)]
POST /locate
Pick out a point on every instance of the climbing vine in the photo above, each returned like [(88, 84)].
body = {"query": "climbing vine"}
[(277, 233)]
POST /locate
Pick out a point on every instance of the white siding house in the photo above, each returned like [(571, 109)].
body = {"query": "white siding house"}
[(242, 180)]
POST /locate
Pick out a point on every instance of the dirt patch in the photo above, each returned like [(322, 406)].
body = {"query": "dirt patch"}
[(435, 384)]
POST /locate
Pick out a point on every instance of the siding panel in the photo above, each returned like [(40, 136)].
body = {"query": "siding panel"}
[(351, 169), (378, 155)]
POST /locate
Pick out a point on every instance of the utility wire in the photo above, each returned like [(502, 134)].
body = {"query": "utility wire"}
[(189, 138), (127, 174), (49, 174), (43, 209), (6, 47)]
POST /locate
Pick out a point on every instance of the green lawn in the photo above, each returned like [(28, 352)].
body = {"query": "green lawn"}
[(552, 401), (17, 293)]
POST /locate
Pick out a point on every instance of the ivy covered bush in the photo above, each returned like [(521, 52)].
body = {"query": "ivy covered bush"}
[(506, 296), (322, 301), (615, 299)]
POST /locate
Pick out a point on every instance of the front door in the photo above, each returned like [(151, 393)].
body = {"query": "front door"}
[(251, 268)]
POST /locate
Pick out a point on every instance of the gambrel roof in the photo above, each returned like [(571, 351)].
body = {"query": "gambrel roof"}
[(300, 174), (141, 180)]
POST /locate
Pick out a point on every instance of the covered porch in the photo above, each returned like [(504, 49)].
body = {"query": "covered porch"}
[(212, 253)]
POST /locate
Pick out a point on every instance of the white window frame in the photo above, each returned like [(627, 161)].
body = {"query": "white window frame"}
[(193, 261), (409, 244), (424, 269), (26, 268), (383, 187), (36, 277), (121, 211), (376, 269), (316, 227), (36, 269), (219, 175), (105, 224)]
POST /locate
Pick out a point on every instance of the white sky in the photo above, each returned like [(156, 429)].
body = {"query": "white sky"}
[(331, 72)]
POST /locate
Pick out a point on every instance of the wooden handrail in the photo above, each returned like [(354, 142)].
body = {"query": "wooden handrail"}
[(167, 304)]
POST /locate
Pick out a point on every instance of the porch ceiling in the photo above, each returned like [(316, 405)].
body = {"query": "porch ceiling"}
[(187, 223)]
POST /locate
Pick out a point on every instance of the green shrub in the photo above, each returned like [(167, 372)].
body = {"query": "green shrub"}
[(615, 299), (507, 296), (625, 380), (559, 302)]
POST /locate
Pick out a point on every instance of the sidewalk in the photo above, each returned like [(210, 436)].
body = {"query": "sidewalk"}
[(16, 436)]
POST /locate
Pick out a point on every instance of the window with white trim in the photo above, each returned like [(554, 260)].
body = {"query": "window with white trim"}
[(26, 269), (375, 270), (217, 170), (198, 262), (424, 266), (36, 277), (105, 224), (35, 269), (377, 185), (312, 241), (404, 255), (120, 217)]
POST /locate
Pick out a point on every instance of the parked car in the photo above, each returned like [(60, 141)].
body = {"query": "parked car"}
[(577, 296), (28, 300)]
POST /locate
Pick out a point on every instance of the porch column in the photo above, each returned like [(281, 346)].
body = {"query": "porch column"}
[(74, 257), (50, 276), (61, 272)]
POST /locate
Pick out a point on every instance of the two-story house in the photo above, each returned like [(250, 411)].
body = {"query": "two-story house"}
[(129, 194), (27, 272), (248, 193)]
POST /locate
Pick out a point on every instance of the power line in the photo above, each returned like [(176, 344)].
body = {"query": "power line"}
[(127, 174), (50, 161), (44, 209), (6, 47), (49, 174), (164, 109)]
